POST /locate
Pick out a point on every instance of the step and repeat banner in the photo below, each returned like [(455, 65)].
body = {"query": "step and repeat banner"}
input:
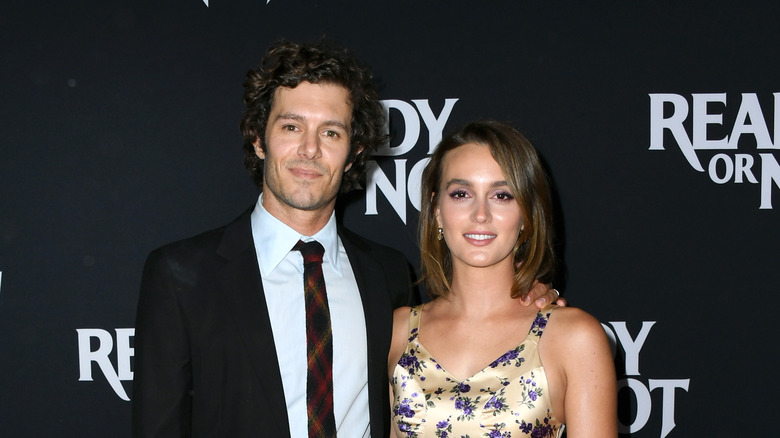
[(658, 122)]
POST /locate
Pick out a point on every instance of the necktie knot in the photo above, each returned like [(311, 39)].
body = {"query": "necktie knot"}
[(312, 251)]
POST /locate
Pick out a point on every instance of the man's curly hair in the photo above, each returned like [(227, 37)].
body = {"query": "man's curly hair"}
[(287, 64)]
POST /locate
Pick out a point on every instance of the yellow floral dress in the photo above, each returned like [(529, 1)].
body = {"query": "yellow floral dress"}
[(508, 398)]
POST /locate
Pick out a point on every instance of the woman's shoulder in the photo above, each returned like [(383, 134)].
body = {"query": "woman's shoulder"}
[(574, 343), (570, 314), (401, 313), (400, 335), (573, 326)]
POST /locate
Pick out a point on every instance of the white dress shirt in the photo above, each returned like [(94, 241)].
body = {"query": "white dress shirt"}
[(282, 276)]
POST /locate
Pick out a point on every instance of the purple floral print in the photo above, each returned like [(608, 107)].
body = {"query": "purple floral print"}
[(506, 399), (509, 357)]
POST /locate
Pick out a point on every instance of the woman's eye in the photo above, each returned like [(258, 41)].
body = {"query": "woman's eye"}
[(458, 194), (504, 196)]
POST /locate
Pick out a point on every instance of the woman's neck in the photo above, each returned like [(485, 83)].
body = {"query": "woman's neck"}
[(482, 290)]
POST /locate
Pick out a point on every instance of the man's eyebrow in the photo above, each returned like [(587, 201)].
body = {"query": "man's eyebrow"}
[(336, 124), (300, 118), (289, 116)]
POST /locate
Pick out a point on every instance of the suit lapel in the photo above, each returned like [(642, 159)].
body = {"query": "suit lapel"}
[(243, 289), (241, 283), (370, 280), (368, 275)]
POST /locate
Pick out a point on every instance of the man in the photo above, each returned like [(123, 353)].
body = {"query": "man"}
[(221, 331)]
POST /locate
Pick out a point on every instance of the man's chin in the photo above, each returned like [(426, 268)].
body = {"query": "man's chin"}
[(306, 202)]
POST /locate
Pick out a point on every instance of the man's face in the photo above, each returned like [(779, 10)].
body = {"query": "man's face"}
[(307, 146)]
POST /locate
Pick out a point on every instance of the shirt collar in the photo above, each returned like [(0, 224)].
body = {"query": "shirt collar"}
[(274, 239)]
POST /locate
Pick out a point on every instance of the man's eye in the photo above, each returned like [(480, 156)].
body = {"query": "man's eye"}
[(330, 133)]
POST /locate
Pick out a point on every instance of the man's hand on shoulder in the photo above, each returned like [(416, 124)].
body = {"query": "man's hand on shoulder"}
[(541, 294)]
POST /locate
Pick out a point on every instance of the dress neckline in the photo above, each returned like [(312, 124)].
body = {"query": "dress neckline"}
[(537, 327)]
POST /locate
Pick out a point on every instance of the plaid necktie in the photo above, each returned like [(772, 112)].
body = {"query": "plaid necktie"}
[(319, 344)]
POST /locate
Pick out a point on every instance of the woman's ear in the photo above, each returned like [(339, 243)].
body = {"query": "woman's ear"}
[(436, 211)]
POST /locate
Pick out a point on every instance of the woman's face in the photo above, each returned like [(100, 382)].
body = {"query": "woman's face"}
[(479, 215)]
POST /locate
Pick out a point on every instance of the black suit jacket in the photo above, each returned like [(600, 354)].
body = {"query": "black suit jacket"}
[(205, 361)]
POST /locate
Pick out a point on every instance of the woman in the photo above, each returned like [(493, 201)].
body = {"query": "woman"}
[(473, 362)]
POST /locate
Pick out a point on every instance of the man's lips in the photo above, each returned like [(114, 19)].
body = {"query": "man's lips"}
[(305, 173)]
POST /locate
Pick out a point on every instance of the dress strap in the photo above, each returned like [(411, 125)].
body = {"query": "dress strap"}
[(540, 322), (414, 321)]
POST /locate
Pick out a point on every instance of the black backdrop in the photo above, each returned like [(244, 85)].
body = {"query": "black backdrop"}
[(120, 133)]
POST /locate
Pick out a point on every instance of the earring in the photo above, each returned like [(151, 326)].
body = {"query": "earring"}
[(440, 234)]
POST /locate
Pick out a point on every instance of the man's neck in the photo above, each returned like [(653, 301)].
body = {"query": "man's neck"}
[(306, 222)]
